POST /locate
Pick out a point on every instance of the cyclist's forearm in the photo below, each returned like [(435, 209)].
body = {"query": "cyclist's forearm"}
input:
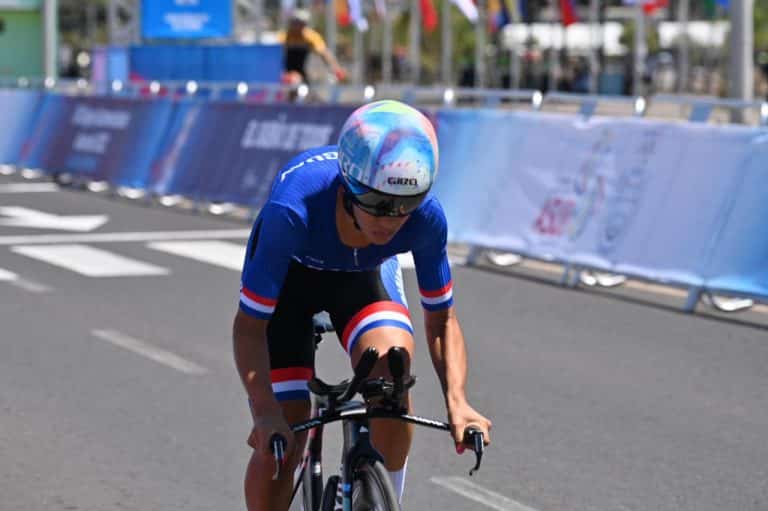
[(252, 360), (449, 356)]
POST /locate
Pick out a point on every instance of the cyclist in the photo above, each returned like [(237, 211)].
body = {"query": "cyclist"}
[(326, 240), (298, 41)]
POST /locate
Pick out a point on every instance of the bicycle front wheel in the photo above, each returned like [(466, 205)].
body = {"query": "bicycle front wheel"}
[(372, 489)]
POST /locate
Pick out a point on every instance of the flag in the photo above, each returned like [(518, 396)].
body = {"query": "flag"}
[(526, 14), (650, 6), (428, 15), (342, 13), (567, 13), (468, 8), (357, 16), (498, 15), (514, 9)]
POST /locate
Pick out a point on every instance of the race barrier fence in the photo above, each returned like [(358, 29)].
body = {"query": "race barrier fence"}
[(671, 202)]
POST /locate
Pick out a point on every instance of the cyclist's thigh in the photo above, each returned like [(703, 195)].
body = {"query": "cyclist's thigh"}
[(369, 309), (290, 336)]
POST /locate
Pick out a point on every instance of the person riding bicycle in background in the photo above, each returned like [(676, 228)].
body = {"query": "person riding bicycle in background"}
[(298, 41), (327, 240)]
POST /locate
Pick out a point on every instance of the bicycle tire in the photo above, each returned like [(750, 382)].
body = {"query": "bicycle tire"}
[(372, 488), (311, 490), (329, 495)]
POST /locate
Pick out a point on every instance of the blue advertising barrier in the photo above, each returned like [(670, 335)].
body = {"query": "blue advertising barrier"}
[(172, 19), (230, 152), (223, 63), (738, 261), (98, 138), (670, 202), (19, 111)]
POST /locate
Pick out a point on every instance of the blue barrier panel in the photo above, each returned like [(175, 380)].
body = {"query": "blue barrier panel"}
[(19, 110), (230, 152), (739, 260), (253, 63), (100, 138), (634, 196)]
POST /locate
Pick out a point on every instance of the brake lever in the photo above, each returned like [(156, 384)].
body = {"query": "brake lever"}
[(277, 444), (474, 438)]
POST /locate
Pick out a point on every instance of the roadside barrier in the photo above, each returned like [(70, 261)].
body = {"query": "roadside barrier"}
[(674, 202)]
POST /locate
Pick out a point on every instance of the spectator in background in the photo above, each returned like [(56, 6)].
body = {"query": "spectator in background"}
[(298, 41)]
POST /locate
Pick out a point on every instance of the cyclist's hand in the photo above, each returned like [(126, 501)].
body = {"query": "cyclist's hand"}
[(267, 422), (460, 417), (340, 73)]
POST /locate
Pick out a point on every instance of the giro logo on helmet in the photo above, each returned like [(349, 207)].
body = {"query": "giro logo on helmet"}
[(407, 181)]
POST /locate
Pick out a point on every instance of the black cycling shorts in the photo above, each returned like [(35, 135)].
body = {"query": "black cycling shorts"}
[(356, 302)]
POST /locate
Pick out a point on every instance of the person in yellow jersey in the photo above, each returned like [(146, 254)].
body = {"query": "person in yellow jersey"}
[(299, 40)]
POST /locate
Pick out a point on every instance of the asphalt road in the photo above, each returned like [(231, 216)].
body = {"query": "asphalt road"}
[(118, 390)]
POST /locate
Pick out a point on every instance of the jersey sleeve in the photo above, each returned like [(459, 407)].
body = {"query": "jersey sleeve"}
[(432, 269), (277, 235), (314, 39)]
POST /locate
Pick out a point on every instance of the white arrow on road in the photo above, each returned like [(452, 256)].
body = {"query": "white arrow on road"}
[(24, 217)]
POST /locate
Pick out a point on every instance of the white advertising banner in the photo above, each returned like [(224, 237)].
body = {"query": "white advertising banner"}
[(628, 195)]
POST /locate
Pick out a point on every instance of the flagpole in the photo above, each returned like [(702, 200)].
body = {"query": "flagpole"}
[(446, 44), (596, 34), (553, 50), (415, 41), (640, 50), (480, 33), (742, 46), (684, 63), (386, 48), (330, 25), (359, 56)]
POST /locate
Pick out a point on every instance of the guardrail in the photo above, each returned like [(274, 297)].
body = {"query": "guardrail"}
[(681, 107), (567, 187)]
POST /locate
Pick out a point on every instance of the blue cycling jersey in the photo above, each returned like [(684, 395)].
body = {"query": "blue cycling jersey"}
[(298, 223)]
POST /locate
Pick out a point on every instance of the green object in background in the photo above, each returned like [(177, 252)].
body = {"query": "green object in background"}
[(20, 4), (21, 42)]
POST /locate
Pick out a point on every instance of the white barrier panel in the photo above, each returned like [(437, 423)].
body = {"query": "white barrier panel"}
[(628, 195)]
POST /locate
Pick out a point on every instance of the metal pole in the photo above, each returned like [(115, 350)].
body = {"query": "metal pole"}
[(641, 50), (595, 32), (684, 64), (415, 42), (330, 25), (514, 65), (742, 43), (359, 56), (386, 47), (553, 50), (51, 38), (480, 37), (446, 44), (112, 19)]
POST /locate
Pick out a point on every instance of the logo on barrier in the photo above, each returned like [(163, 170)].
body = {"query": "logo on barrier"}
[(284, 135)]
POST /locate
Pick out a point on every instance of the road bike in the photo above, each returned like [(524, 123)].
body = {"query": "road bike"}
[(364, 481)]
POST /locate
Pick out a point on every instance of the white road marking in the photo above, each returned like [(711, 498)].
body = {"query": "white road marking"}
[(7, 276), (28, 187), (27, 285), (34, 219), (151, 352), (219, 253), (32, 287), (120, 237), (89, 261), (479, 494)]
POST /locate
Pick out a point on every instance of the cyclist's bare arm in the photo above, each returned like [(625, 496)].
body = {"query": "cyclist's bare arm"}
[(252, 357), (449, 357)]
